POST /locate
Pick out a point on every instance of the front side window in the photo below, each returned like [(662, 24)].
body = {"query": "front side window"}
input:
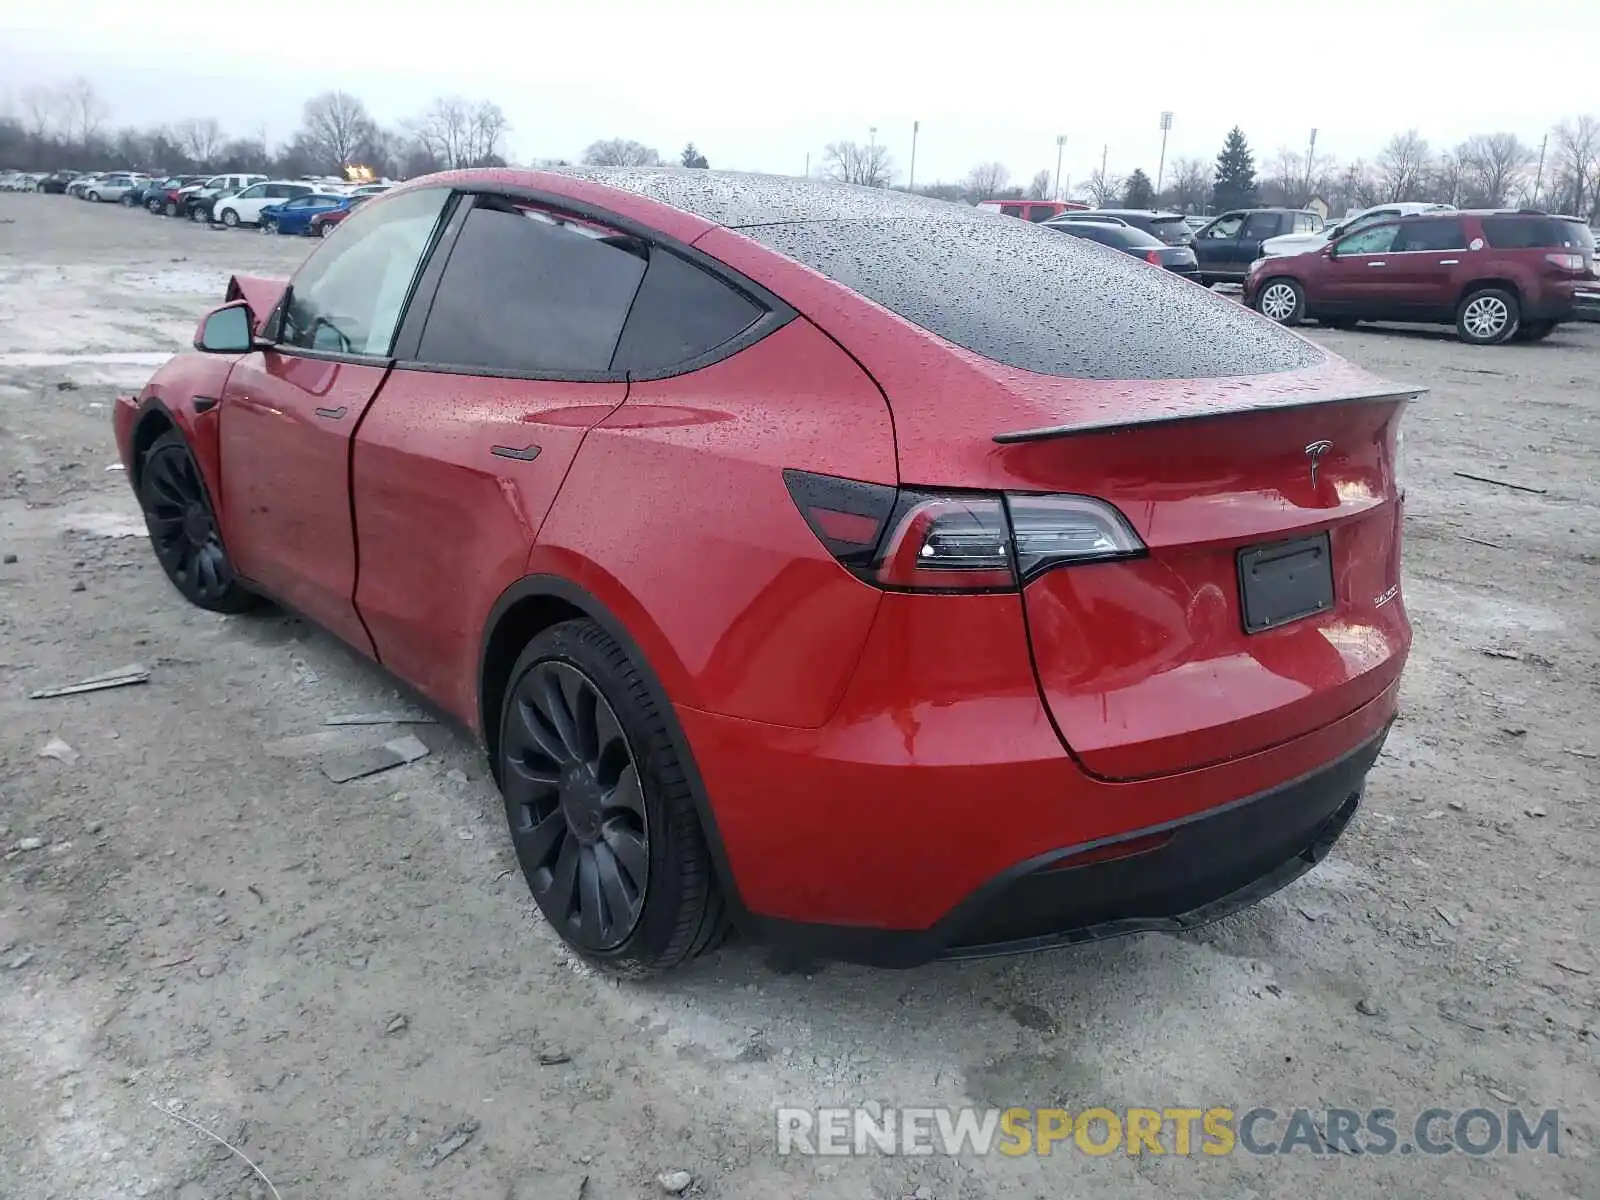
[(258, 192), (531, 292), (1224, 228), (1376, 240), (348, 297)]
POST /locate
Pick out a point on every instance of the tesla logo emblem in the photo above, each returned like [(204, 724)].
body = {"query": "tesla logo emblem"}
[(1314, 452)]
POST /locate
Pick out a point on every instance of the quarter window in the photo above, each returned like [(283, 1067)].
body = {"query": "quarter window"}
[(681, 312), (530, 292), (348, 297)]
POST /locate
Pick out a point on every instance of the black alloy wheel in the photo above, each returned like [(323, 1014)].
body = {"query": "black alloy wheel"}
[(601, 812), (183, 528), (576, 806)]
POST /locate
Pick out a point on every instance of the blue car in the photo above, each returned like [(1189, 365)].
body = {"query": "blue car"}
[(294, 216)]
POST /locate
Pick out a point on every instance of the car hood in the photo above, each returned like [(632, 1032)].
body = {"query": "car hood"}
[(1294, 243)]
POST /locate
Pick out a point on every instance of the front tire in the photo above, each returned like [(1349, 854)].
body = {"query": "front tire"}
[(94, 197), (600, 809), (183, 528), (269, 226), (1488, 317), (230, 218), (1281, 299)]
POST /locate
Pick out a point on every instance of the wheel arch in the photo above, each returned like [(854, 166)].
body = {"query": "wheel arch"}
[(1478, 285), (153, 420), (533, 604)]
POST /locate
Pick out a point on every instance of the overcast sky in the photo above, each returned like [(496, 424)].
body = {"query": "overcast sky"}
[(760, 83)]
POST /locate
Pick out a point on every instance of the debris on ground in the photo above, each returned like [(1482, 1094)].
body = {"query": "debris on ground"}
[(30, 843), (122, 677), (449, 1144), (380, 718), (553, 1057), (343, 768), (1573, 968), (396, 1024), (1368, 1007), (1536, 810), (674, 1182), (1496, 652), (1505, 483), (9, 559), (59, 750)]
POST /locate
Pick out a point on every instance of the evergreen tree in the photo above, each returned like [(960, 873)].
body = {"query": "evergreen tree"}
[(691, 157), (1137, 192), (1235, 184)]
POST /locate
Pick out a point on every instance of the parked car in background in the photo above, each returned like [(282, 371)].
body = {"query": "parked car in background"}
[(294, 216), (19, 181), (198, 201), (1495, 275), (1231, 242), (164, 196), (1130, 240), (1196, 221), (1170, 227), (1031, 210), (329, 219), (1294, 243), (244, 208), (994, 536), (57, 182), (80, 183), (113, 186)]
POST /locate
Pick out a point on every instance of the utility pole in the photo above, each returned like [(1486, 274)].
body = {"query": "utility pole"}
[(1061, 144), (872, 157), (1161, 163), (1104, 150), (911, 180), (1538, 178), (1311, 156), (808, 164)]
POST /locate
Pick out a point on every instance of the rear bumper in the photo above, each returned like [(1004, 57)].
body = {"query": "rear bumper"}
[(1586, 303), (1170, 877)]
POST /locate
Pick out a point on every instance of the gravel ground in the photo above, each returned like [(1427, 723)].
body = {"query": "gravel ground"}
[(350, 984)]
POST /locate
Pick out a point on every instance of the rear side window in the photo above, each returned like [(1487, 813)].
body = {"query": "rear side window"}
[(1041, 212), (528, 292), (1028, 299), (1536, 233), (1011, 210), (1435, 233), (681, 312)]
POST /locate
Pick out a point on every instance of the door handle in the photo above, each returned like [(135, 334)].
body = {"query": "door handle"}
[(1377, 264), (526, 454), (332, 414), (1449, 262)]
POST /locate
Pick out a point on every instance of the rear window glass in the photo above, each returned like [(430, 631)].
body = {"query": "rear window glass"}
[(1039, 302), (1113, 235), (1536, 233), (1171, 230)]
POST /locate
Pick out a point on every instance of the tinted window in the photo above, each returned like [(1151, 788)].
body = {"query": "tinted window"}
[(1376, 240), (1536, 233), (1011, 210), (1023, 297), (681, 312), (1223, 227), (349, 295), (1041, 212), (1262, 225), (1171, 230), (1123, 237), (1436, 233), (527, 292)]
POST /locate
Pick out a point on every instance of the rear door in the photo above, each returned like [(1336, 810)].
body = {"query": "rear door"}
[(1258, 227), (460, 459), (1427, 267), (288, 413)]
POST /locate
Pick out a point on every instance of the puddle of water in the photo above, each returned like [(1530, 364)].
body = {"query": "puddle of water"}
[(126, 358)]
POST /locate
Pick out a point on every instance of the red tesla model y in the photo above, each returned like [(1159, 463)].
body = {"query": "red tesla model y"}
[(889, 578)]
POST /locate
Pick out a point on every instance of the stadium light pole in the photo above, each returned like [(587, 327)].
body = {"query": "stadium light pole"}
[(911, 180), (1161, 163), (1061, 144)]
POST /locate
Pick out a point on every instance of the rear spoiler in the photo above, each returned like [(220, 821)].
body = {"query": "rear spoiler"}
[(262, 295), (1047, 433)]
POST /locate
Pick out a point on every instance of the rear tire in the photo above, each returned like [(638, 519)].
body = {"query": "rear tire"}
[(1488, 316), (183, 528), (601, 814), (230, 218), (1281, 299)]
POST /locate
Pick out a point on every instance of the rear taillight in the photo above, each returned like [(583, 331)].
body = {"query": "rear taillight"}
[(911, 539), (1153, 257), (1567, 262)]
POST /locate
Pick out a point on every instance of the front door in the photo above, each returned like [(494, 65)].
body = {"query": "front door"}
[(1217, 246), (1354, 279), (288, 413)]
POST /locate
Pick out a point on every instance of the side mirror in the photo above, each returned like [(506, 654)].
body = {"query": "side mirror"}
[(226, 330), (1327, 251)]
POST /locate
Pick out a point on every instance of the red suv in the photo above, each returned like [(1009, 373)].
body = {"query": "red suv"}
[(1496, 276), (787, 574)]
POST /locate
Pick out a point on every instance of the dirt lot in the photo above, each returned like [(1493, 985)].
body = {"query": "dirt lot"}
[(346, 981)]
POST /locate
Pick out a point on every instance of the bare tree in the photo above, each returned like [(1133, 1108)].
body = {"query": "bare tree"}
[(1577, 162), (489, 128), (1191, 184), (1403, 166), (986, 179), (851, 162), (1447, 179), (85, 112), (1103, 190), (1494, 163), (41, 108), (335, 127), (199, 137), (619, 152), (1039, 185)]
